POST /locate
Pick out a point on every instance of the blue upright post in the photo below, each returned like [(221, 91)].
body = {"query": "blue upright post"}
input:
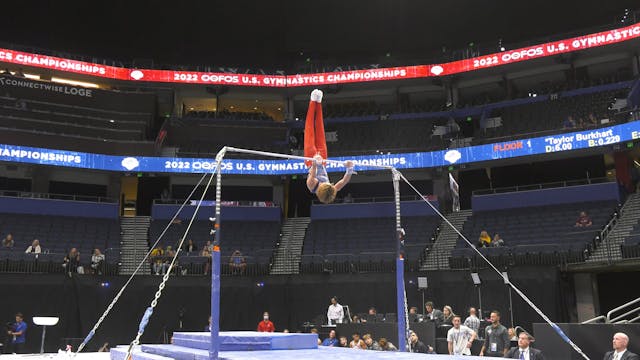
[(402, 322), (400, 291), (214, 345)]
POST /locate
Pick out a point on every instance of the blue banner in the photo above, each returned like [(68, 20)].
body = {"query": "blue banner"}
[(503, 150)]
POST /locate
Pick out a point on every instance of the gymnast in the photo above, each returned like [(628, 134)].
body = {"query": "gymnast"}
[(315, 146)]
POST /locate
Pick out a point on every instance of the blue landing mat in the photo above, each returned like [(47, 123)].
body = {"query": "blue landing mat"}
[(247, 340), (166, 352)]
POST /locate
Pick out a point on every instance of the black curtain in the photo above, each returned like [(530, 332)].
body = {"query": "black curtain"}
[(80, 300)]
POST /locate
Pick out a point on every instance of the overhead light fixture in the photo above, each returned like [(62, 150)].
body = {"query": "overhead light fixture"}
[(32, 76), (74, 82)]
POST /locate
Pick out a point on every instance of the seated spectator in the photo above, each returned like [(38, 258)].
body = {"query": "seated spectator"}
[(357, 343), (513, 336), (8, 242), (371, 344), (417, 345), (372, 316), (484, 240), (71, 262), (569, 123), (206, 253), (348, 199), (34, 248), (169, 252), (237, 263), (315, 331), (331, 340), (209, 247), (191, 247), (592, 121), (497, 241), (386, 345), (413, 315), (583, 220), (355, 319), (343, 342), (97, 262), (447, 315), (432, 313), (159, 267)]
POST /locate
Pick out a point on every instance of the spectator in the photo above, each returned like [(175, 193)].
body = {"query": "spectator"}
[(472, 321), (209, 246), (18, 332), (331, 340), (97, 262), (157, 251), (8, 242), (159, 267), (569, 123), (372, 316), (513, 336), (523, 351), (169, 252), (191, 247), (460, 338), (237, 263), (348, 199), (496, 339), (583, 220), (371, 344), (447, 315), (497, 241), (418, 346), (484, 240), (266, 325), (206, 253), (386, 345), (315, 331), (343, 342), (357, 343), (34, 248), (433, 314), (355, 319), (620, 352), (71, 262), (592, 121), (208, 327), (413, 315), (335, 312)]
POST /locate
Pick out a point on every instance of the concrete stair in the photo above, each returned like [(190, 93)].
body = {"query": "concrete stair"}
[(288, 254), (438, 256), (609, 248), (135, 236)]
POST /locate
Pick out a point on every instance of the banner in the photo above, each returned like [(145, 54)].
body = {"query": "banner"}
[(9, 82), (487, 152), (341, 77)]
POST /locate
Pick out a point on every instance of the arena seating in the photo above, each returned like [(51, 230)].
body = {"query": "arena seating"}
[(256, 240), (205, 137), (534, 235), (366, 244), (548, 115), (57, 235), (631, 245)]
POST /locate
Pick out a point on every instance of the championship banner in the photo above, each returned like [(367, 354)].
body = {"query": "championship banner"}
[(339, 77), (479, 153)]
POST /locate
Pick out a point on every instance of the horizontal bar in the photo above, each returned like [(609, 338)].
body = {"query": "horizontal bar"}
[(295, 157)]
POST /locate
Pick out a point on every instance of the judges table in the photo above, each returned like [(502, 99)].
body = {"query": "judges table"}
[(426, 331)]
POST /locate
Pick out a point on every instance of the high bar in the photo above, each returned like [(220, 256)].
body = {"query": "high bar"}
[(295, 157)]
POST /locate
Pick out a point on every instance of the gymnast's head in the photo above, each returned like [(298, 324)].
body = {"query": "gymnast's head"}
[(326, 193)]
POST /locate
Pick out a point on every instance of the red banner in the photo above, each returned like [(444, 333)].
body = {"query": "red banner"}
[(341, 77)]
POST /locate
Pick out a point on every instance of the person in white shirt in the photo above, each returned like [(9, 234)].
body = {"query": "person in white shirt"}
[(620, 352), (460, 338), (335, 313), (34, 247)]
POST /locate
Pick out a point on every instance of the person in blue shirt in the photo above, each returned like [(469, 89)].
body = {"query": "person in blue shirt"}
[(18, 333), (331, 340)]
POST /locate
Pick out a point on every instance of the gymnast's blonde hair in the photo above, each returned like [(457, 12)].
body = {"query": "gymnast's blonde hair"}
[(326, 193)]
